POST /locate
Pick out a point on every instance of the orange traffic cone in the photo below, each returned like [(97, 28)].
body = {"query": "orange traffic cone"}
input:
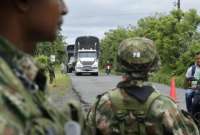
[(173, 89)]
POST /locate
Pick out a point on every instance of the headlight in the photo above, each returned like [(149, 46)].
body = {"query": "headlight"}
[(95, 64)]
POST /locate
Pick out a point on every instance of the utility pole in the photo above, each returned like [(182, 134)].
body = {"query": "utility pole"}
[(179, 4)]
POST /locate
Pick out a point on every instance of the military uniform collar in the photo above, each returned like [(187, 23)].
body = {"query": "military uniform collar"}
[(139, 90), (130, 83)]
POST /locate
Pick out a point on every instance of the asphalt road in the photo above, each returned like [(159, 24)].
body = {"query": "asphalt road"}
[(89, 87)]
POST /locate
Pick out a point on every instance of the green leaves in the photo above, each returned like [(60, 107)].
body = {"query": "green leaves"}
[(54, 48), (175, 35), (110, 43)]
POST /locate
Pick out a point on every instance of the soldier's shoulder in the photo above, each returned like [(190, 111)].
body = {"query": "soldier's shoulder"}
[(162, 104), (104, 100), (173, 118), (166, 100), (106, 95)]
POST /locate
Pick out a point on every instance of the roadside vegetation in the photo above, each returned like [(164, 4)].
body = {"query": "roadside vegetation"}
[(61, 82), (176, 35), (42, 56), (57, 48)]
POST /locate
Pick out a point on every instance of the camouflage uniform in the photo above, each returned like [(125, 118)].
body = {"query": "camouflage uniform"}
[(51, 73), (24, 109), (135, 107)]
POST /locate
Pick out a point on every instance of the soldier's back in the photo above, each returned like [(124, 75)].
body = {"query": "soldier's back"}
[(125, 114)]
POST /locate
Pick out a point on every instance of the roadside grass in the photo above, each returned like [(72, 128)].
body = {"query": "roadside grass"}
[(60, 84), (165, 78)]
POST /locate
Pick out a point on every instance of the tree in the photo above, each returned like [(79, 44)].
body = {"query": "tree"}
[(110, 44), (54, 48), (172, 37), (175, 35)]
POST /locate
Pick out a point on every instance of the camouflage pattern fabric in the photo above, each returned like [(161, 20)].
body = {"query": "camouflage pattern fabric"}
[(121, 118), (24, 109), (137, 56), (137, 50)]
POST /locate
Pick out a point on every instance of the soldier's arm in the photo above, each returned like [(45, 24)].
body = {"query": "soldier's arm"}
[(172, 120), (99, 115)]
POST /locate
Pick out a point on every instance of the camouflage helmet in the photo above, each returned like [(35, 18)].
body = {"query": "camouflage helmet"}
[(138, 55)]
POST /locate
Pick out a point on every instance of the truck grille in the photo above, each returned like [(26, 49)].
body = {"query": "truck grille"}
[(87, 62)]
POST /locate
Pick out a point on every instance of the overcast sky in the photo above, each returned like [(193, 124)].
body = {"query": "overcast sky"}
[(95, 17)]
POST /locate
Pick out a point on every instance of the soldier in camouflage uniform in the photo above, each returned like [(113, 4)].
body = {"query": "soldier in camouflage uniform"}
[(51, 70), (135, 107), (24, 109)]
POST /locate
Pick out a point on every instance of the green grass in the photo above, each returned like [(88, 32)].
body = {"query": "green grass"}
[(165, 78), (60, 84)]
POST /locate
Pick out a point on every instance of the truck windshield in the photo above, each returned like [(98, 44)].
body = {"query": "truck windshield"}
[(87, 54)]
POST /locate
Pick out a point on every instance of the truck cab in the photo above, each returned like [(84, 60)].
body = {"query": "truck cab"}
[(87, 62)]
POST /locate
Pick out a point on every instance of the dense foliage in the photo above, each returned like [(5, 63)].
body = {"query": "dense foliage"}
[(42, 60), (56, 48), (110, 43), (176, 36)]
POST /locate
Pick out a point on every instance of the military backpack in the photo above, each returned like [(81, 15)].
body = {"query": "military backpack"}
[(131, 115)]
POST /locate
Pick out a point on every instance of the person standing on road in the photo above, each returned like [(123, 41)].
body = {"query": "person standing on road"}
[(62, 68), (192, 75), (52, 75), (24, 108), (135, 107)]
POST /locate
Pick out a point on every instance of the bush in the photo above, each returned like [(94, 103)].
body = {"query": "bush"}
[(42, 61)]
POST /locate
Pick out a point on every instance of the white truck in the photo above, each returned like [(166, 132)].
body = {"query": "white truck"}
[(87, 55)]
